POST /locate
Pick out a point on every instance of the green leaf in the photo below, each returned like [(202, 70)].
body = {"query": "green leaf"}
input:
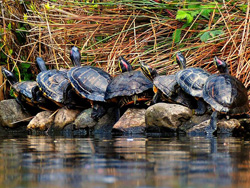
[(177, 35), (27, 77), (205, 36), (25, 65), (181, 15), (189, 18), (10, 51), (9, 26), (210, 34), (216, 32)]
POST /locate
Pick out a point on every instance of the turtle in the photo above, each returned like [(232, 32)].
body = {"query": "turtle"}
[(24, 92), (52, 83), (89, 83), (131, 87), (192, 81), (166, 88), (124, 65), (225, 93)]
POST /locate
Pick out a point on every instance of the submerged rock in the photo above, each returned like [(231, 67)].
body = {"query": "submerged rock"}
[(64, 117), (224, 126), (11, 113), (132, 121), (104, 124), (166, 116), (193, 121), (42, 121)]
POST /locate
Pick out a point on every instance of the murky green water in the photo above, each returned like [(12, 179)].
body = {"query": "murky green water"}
[(143, 162)]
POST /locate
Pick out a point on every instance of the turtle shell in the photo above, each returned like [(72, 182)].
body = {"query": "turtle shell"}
[(128, 84), (170, 88), (89, 82), (25, 89), (166, 84), (226, 94), (192, 80), (52, 83)]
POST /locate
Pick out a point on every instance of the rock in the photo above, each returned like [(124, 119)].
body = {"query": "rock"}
[(228, 126), (11, 113), (42, 121), (199, 128), (104, 124), (132, 121), (64, 117), (223, 127), (84, 120), (193, 121), (166, 116)]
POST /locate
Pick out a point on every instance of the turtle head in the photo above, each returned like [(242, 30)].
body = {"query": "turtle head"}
[(221, 65), (75, 56), (148, 71), (181, 60), (41, 64), (9, 76), (124, 65)]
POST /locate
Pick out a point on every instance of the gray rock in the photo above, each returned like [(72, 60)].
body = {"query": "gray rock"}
[(228, 126), (166, 116), (104, 124), (64, 117), (224, 126), (84, 120), (132, 121), (11, 113), (193, 121), (42, 121)]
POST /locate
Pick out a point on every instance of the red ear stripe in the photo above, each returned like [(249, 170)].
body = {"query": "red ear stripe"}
[(125, 65), (219, 62)]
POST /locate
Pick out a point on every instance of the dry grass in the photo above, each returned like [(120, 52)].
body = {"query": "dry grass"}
[(105, 31)]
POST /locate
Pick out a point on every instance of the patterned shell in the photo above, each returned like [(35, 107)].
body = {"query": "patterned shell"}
[(192, 80), (24, 88), (166, 84), (128, 84), (52, 83), (89, 82), (226, 94), (169, 87)]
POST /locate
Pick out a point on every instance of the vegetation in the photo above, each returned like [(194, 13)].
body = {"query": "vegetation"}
[(151, 31)]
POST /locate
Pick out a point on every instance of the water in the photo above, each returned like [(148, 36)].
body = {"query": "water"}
[(105, 162)]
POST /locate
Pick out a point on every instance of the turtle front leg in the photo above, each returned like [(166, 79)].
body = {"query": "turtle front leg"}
[(67, 96), (98, 111), (201, 109), (213, 123), (21, 103), (34, 92), (156, 97)]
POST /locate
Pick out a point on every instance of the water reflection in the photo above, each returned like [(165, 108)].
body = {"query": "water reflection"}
[(42, 161)]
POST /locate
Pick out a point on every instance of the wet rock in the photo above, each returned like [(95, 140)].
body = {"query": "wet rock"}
[(228, 126), (224, 126), (193, 121), (132, 121), (64, 117), (42, 121), (84, 120), (167, 117), (11, 113), (104, 124)]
